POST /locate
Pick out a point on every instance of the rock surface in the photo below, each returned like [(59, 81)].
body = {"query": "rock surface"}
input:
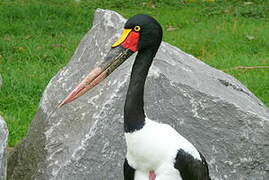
[(3, 148), (84, 139)]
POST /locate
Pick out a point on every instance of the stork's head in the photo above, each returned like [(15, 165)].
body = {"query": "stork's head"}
[(140, 32)]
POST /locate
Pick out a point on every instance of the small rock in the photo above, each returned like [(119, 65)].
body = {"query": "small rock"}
[(1, 80), (249, 37), (3, 149)]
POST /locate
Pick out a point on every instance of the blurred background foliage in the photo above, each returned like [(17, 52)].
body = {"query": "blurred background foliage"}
[(38, 37)]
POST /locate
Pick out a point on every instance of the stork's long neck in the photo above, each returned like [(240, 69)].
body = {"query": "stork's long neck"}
[(134, 115)]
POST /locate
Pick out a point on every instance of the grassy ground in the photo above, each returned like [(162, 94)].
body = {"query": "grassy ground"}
[(38, 37)]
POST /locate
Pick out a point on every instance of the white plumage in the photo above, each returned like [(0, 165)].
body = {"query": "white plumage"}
[(154, 147)]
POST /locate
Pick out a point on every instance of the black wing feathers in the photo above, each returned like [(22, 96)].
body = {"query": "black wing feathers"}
[(190, 168), (128, 171)]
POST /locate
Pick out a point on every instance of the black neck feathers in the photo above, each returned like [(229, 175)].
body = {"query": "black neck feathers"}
[(134, 115)]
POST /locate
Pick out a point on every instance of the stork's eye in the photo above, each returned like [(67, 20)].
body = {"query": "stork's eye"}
[(137, 28)]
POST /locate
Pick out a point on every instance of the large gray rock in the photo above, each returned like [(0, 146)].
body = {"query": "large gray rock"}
[(3, 149), (84, 139)]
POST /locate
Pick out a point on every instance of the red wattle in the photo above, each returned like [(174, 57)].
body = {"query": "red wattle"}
[(131, 42)]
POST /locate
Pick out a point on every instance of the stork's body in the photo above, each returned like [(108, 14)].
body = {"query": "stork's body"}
[(155, 151), (154, 148)]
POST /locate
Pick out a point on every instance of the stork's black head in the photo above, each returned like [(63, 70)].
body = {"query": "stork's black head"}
[(150, 31), (141, 32)]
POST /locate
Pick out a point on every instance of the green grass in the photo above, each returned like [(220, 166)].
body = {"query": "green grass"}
[(38, 37)]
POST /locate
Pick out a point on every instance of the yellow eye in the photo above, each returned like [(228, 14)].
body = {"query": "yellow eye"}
[(137, 28)]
